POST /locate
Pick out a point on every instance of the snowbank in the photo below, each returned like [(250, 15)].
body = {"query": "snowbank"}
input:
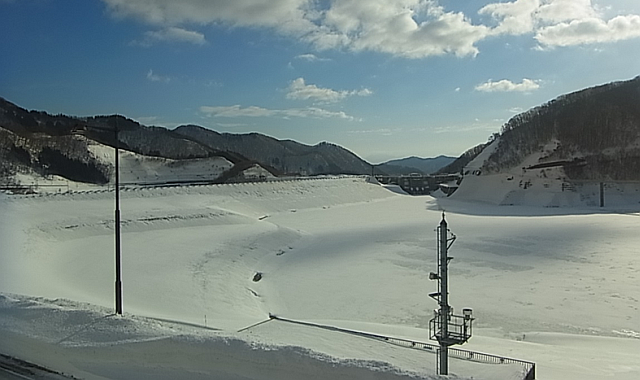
[(89, 342)]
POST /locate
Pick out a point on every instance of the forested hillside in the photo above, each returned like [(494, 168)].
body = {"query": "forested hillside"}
[(599, 127), (43, 144), (63, 155), (459, 163), (285, 155), (405, 166)]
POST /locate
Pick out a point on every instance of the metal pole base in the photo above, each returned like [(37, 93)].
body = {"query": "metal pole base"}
[(119, 297), (443, 356)]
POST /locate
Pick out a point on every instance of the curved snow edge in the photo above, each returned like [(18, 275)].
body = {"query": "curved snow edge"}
[(90, 342)]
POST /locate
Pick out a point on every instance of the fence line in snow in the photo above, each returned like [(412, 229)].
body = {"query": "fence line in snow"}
[(529, 368)]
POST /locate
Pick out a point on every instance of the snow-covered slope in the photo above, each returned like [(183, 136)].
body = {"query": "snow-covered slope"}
[(598, 126), (515, 186), (554, 286), (545, 187), (138, 168)]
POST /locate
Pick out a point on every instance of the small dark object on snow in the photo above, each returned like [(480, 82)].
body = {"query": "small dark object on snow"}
[(257, 277)]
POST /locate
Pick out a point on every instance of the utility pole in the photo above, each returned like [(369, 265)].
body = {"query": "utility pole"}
[(446, 328), (82, 131), (117, 217)]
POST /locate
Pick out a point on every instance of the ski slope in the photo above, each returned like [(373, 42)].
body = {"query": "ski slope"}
[(557, 286)]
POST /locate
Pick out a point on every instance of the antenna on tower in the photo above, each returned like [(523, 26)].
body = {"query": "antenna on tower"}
[(445, 327)]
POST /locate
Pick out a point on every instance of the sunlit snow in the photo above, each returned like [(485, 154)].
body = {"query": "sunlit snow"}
[(556, 286)]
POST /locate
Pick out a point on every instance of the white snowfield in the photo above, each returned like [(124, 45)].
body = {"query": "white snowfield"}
[(138, 168), (556, 286)]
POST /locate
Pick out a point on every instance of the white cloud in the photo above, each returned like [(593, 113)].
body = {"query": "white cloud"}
[(561, 22), (311, 58), (408, 28), (508, 86), (404, 28), (565, 10), (316, 113), (363, 92), (253, 111), (526, 16), (172, 34), (236, 111), (298, 90), (514, 18), (212, 83), (591, 30), (175, 34), (283, 14), (379, 131), (153, 77)]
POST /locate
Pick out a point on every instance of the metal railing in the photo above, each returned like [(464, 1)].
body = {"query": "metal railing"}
[(480, 357), (529, 368)]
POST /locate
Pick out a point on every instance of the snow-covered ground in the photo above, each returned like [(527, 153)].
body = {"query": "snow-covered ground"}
[(139, 168), (546, 187), (557, 286)]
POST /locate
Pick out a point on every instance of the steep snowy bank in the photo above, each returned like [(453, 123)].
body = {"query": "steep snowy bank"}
[(541, 187)]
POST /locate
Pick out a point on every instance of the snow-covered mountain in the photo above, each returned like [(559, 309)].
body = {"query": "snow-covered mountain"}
[(594, 134), (43, 145), (287, 156), (579, 149)]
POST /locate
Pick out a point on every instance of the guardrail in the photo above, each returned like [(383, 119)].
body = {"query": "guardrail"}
[(31, 189), (529, 368)]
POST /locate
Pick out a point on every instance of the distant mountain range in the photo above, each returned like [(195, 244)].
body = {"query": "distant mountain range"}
[(44, 144), (409, 165), (592, 134), (286, 156)]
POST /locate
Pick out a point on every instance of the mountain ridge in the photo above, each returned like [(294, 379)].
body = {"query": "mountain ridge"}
[(47, 144), (414, 164), (287, 156), (597, 126)]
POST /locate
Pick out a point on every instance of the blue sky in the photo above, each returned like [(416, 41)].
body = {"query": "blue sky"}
[(384, 78)]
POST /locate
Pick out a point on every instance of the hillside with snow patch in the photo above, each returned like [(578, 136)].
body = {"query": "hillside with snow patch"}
[(597, 129), (136, 168), (526, 185)]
